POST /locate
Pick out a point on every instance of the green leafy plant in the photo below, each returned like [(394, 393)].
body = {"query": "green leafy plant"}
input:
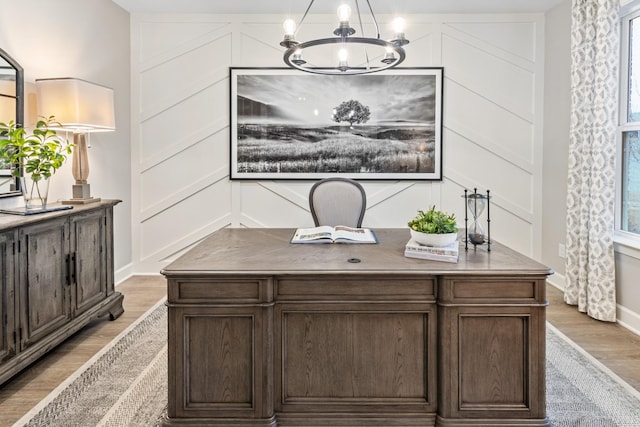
[(434, 222), (39, 154)]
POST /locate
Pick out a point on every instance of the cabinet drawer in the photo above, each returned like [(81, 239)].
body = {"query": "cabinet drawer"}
[(355, 288), (492, 290), (225, 290)]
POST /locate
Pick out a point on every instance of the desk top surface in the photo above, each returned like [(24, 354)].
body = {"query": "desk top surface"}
[(267, 251)]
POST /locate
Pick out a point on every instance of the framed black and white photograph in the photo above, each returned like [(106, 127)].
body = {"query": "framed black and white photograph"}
[(288, 124)]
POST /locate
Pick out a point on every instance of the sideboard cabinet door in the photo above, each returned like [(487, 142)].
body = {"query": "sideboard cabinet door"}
[(7, 300), (44, 281), (88, 260)]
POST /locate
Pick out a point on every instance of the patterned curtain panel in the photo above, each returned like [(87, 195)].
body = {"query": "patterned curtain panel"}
[(590, 271)]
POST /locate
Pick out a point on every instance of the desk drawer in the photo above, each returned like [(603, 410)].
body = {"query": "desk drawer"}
[(219, 290), (493, 290), (384, 288)]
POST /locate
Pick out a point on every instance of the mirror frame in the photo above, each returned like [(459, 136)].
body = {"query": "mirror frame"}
[(19, 118)]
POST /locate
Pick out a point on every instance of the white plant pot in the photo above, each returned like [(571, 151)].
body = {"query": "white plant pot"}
[(437, 240)]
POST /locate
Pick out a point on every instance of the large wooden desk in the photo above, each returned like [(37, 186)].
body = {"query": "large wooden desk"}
[(265, 333)]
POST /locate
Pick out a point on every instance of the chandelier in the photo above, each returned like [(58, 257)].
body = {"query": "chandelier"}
[(344, 47)]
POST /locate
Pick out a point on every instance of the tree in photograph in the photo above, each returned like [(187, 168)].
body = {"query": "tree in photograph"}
[(351, 111)]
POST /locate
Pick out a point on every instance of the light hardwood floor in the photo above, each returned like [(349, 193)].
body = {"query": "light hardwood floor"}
[(612, 344)]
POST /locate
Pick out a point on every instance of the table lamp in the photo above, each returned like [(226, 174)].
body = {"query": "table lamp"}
[(80, 107)]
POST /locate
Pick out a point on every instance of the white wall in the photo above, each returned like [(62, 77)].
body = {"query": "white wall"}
[(493, 104), (88, 40), (557, 108)]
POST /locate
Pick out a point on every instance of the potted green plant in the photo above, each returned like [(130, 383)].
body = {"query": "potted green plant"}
[(434, 228), (34, 157)]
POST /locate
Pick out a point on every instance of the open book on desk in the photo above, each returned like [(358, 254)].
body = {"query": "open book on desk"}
[(337, 234)]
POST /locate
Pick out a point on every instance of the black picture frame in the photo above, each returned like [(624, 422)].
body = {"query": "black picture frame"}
[(284, 124)]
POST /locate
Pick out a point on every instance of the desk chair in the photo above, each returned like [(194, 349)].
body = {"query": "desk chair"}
[(337, 201)]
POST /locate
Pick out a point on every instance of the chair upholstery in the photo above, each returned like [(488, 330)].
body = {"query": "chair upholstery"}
[(337, 201)]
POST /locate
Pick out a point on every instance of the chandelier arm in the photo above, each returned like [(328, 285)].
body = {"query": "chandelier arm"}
[(366, 54), (375, 21), (359, 18), (304, 16)]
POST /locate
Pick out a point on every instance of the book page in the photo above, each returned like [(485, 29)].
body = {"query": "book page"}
[(324, 232), (354, 235)]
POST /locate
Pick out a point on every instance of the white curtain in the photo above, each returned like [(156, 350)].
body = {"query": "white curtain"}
[(590, 272)]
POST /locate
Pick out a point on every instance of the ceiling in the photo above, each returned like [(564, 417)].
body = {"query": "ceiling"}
[(330, 6)]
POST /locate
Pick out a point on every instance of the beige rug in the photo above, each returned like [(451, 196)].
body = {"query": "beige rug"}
[(126, 385)]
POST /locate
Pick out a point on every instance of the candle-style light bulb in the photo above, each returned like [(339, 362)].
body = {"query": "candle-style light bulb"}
[(344, 30), (399, 25), (344, 13), (389, 56), (289, 26), (343, 55), (289, 39), (297, 57)]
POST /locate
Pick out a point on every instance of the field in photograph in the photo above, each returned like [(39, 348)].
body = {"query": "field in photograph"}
[(335, 149)]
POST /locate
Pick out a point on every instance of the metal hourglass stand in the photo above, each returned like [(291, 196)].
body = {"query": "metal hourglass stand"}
[(475, 203)]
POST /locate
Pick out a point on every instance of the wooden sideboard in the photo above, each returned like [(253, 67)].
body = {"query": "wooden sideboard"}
[(57, 276), (265, 333)]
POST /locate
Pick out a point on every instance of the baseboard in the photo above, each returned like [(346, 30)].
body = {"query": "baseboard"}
[(123, 273), (557, 280), (626, 318)]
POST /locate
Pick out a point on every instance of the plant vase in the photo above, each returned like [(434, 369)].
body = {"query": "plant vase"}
[(35, 158), (436, 240), (35, 192)]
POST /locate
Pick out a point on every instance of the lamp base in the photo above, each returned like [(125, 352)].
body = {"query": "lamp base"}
[(81, 195), (80, 201)]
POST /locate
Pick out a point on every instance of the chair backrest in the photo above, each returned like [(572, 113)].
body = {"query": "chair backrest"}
[(337, 201)]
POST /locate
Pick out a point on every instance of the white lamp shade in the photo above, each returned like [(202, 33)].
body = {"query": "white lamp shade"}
[(76, 104)]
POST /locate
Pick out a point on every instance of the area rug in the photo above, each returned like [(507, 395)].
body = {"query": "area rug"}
[(126, 385)]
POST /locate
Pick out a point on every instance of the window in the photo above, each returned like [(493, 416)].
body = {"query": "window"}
[(630, 209), (628, 220)]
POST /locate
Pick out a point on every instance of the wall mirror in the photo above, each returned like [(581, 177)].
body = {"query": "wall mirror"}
[(11, 108)]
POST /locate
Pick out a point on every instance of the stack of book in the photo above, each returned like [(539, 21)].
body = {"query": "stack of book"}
[(447, 253)]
